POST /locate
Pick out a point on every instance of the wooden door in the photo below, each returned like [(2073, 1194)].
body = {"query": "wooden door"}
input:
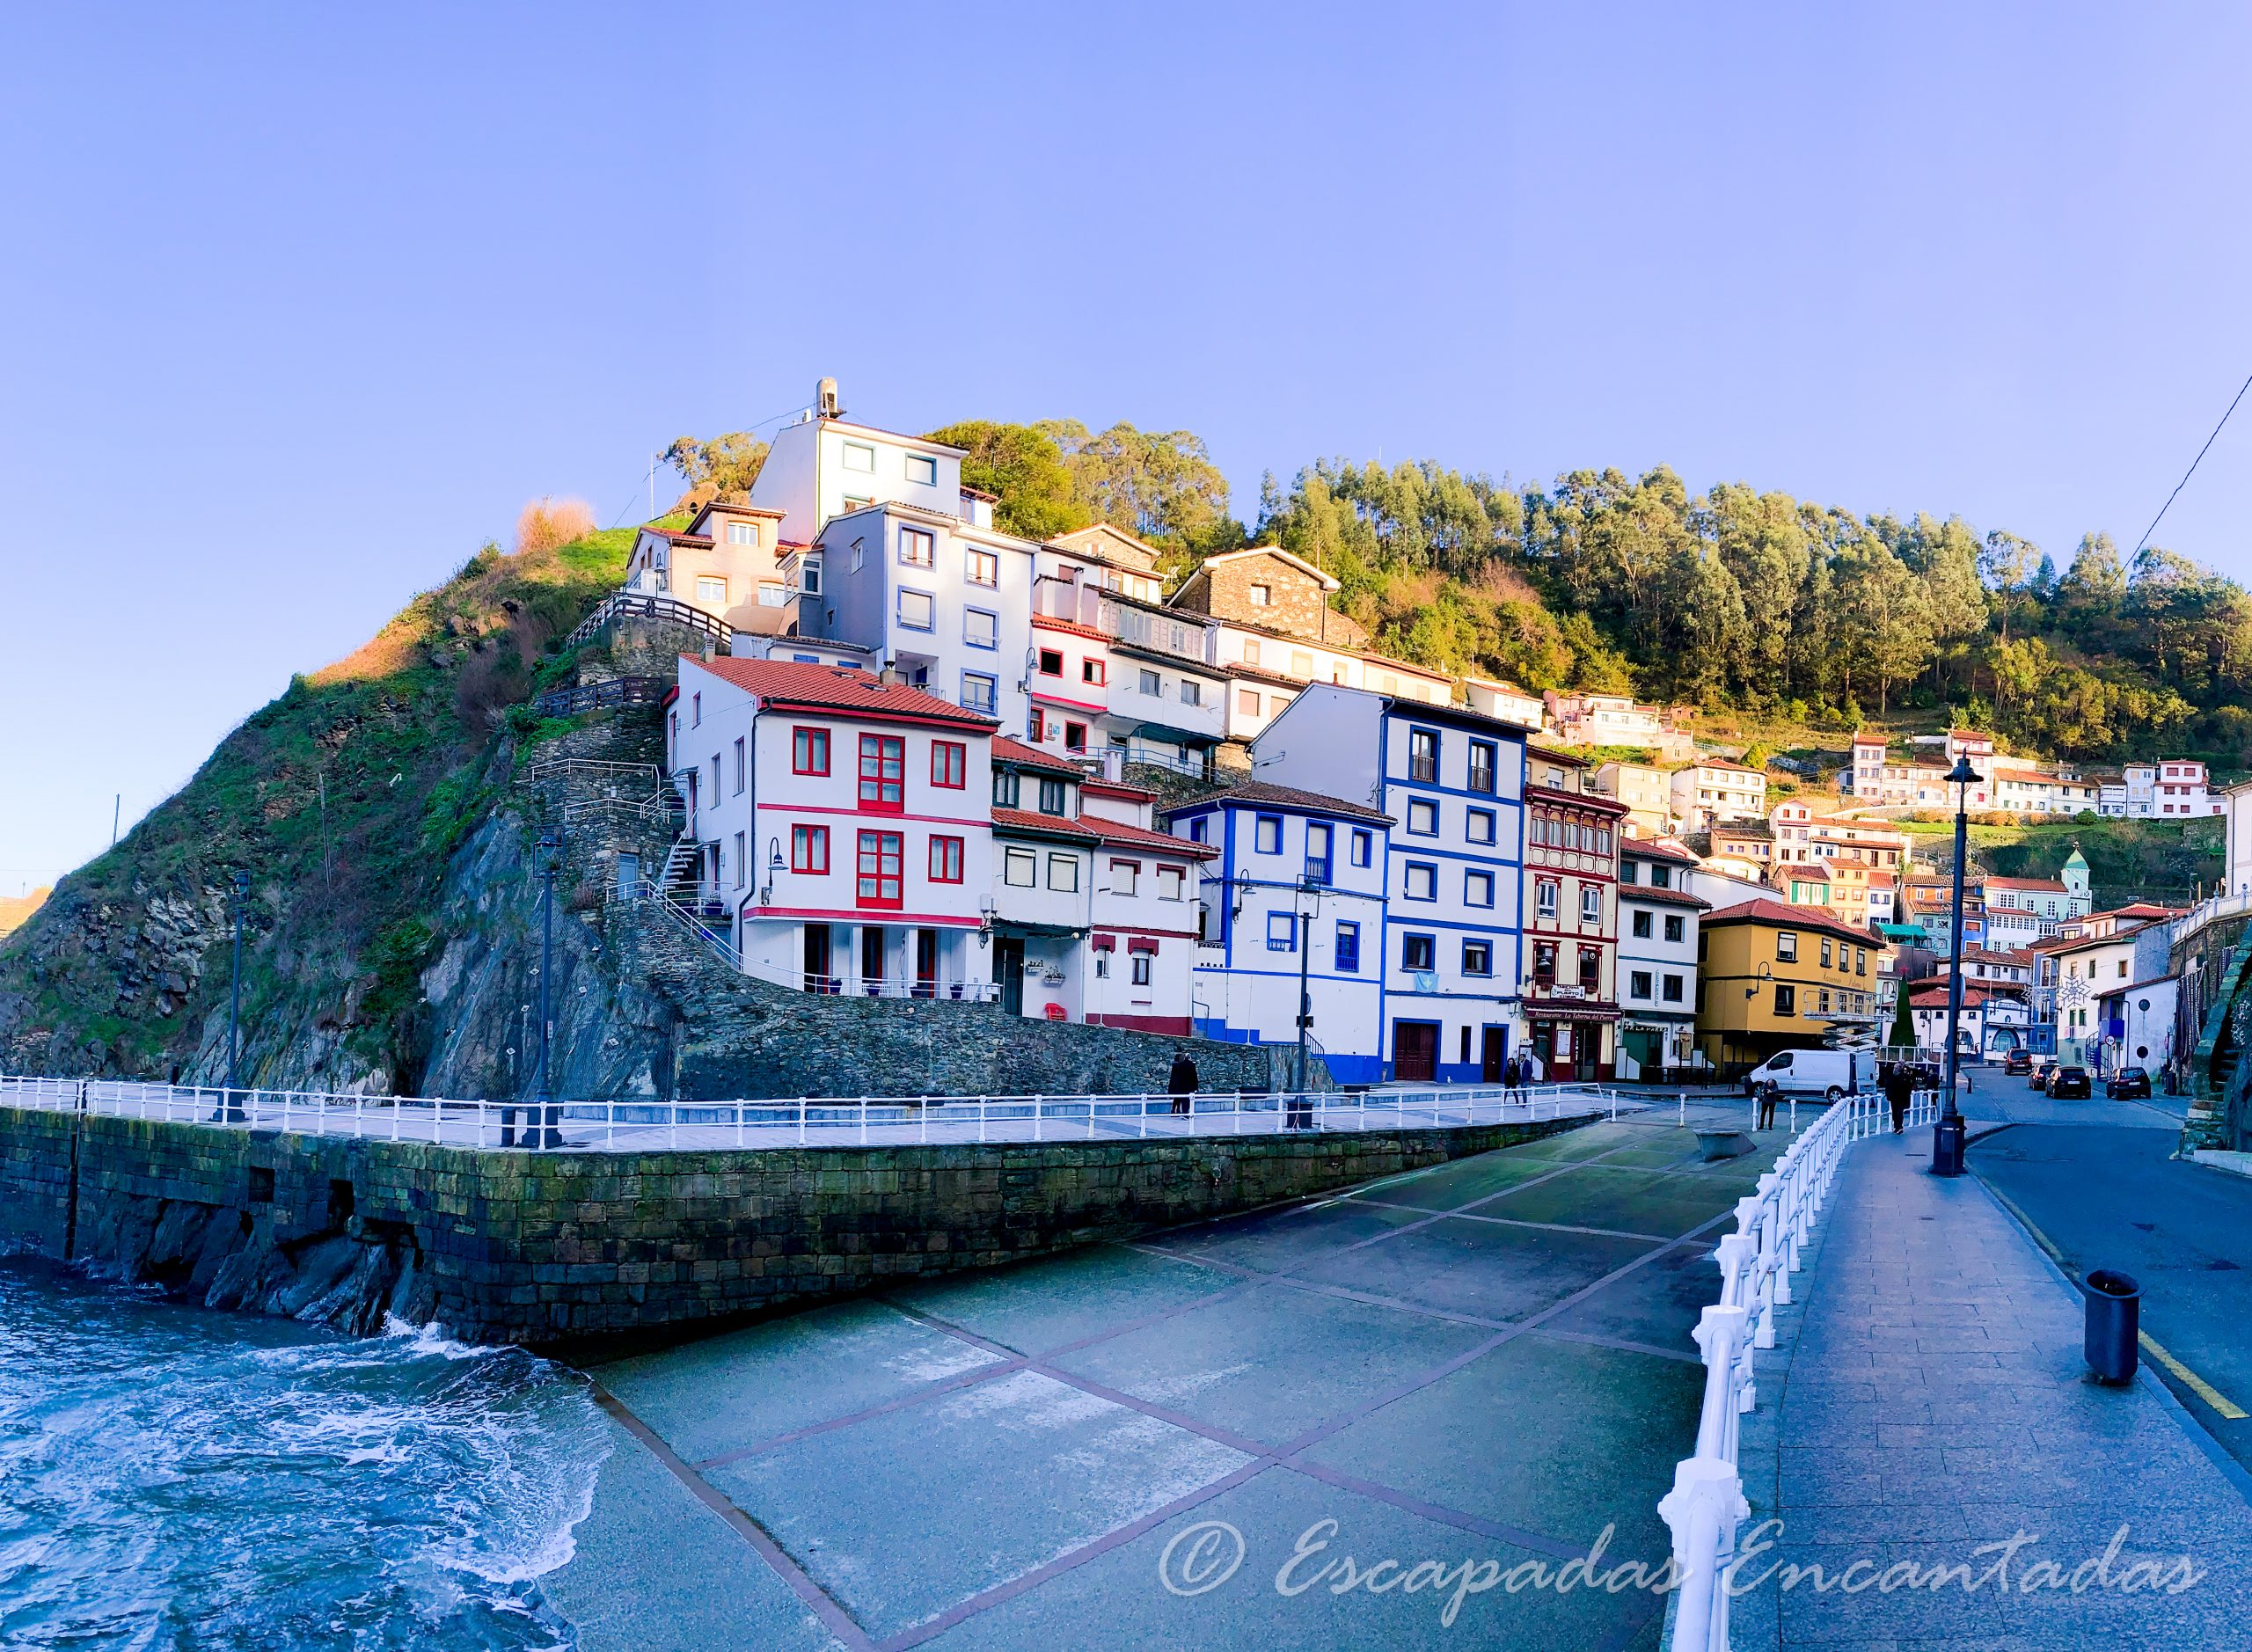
[(1415, 1051), (1490, 1057)]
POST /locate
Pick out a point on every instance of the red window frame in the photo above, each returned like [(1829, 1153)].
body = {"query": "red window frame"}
[(809, 751), (949, 763), (1045, 655), (883, 773), (945, 859), (880, 881), (809, 849), (1093, 671)]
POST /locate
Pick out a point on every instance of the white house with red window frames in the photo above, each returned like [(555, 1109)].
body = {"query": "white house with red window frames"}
[(843, 823), (1094, 915)]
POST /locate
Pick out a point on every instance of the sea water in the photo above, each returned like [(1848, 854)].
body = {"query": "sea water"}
[(171, 1477)]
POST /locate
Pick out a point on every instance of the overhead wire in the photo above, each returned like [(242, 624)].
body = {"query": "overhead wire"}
[(2191, 471)]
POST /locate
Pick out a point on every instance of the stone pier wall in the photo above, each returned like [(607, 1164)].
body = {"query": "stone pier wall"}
[(552, 1249)]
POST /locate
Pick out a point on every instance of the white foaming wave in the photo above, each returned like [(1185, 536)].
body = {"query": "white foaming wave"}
[(429, 1339)]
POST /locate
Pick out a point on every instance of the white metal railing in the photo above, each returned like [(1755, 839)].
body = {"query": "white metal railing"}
[(806, 1120), (595, 769), (1756, 1262), (2205, 911)]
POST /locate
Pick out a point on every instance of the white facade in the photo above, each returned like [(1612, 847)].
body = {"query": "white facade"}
[(2236, 808), (947, 604), (1710, 791), (1657, 960), (2180, 792), (1452, 784), (876, 813), (1267, 669), (1261, 925), (822, 468), (1134, 676)]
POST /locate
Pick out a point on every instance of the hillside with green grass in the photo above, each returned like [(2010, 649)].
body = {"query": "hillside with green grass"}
[(2168, 861), (342, 800)]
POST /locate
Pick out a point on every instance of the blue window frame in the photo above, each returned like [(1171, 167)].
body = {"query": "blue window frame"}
[(981, 628), (1363, 847), (1483, 763), (979, 690), (1282, 931), (1478, 889), (1266, 835), (1318, 835), (1477, 957), (1419, 951), (1348, 947), (1423, 817), (1420, 882)]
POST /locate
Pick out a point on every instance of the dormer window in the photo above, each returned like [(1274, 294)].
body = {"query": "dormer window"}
[(743, 533), (1051, 797)]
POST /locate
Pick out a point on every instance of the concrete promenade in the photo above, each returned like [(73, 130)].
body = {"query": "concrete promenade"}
[(1927, 1398), (1485, 1361)]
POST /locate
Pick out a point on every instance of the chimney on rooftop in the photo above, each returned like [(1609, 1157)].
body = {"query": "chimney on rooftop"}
[(825, 399), (889, 675)]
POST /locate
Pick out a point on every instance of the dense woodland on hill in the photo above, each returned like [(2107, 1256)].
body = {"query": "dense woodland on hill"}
[(1732, 599)]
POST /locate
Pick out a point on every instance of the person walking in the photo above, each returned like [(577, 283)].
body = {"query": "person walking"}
[(1181, 1081), (1899, 1084), (1770, 1093), (1512, 1078)]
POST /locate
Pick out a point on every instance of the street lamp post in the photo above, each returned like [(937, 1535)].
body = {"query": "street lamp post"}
[(232, 1109), (1947, 1135), (1309, 886), (551, 851)]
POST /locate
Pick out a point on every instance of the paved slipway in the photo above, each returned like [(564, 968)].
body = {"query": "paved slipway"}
[(1485, 1361), (1927, 1396)]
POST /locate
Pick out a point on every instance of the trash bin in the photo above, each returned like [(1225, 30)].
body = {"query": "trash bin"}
[(2114, 1307)]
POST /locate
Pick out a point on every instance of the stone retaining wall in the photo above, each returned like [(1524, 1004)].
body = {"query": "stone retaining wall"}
[(552, 1249)]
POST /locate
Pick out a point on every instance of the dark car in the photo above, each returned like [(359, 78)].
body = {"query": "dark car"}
[(2036, 1076), (2018, 1062), (2126, 1084), (2069, 1083)]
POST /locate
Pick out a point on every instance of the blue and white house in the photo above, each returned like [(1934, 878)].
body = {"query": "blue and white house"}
[(1294, 869), (1451, 782)]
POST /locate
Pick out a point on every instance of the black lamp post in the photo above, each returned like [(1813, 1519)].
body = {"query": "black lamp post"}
[(1947, 1135), (230, 1109), (1309, 906), (551, 854)]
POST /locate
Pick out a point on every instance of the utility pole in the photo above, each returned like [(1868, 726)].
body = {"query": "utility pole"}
[(116, 811), (551, 850), (230, 1109)]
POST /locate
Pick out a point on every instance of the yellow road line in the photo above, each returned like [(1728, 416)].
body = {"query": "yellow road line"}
[(2189, 1379)]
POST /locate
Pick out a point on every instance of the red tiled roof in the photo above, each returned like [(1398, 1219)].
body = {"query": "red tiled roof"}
[(2044, 885), (1788, 917), (1049, 621), (1008, 750), (1656, 850), (1053, 825), (1113, 832), (838, 687)]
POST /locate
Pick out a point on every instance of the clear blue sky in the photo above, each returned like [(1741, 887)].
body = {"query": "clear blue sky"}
[(302, 303)]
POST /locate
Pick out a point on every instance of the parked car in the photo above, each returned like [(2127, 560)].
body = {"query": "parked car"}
[(2069, 1083), (2126, 1084), (2036, 1076), (2018, 1062), (1831, 1073)]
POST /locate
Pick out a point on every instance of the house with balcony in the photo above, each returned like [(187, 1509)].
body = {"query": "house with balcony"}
[(841, 835), (1647, 791), (1451, 781), (1275, 633), (947, 605), (1716, 789), (1296, 894), (1092, 912), (1656, 965), (1148, 670), (1618, 720), (726, 562), (1572, 838)]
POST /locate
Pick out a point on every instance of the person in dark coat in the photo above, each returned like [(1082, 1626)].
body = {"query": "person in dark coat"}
[(1770, 1093), (1181, 1081), (1899, 1084), (1512, 1077)]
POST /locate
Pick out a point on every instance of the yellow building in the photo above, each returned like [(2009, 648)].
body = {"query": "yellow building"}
[(1773, 977)]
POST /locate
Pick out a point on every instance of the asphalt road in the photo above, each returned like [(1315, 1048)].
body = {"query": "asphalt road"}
[(2107, 1196)]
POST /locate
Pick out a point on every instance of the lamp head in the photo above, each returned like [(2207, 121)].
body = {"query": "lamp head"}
[(1962, 773)]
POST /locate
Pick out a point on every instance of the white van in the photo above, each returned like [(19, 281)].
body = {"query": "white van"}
[(1830, 1074)]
